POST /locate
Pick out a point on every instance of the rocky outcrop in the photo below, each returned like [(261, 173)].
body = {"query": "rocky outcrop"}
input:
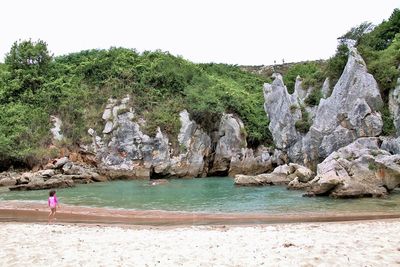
[(195, 149), (349, 113), (251, 163), (7, 180), (61, 173), (134, 155), (231, 141), (124, 151), (326, 88), (283, 112), (360, 169), (56, 130), (300, 93), (282, 175), (391, 144), (394, 106)]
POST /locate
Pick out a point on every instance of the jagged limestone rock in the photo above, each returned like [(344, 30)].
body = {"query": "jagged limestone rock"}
[(299, 92), (248, 162), (282, 175), (326, 88), (352, 106), (283, 112), (232, 138), (56, 130), (126, 152), (394, 106), (356, 170), (391, 144), (349, 113), (195, 146)]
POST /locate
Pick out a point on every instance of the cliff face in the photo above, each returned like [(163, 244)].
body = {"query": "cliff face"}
[(349, 113), (124, 151)]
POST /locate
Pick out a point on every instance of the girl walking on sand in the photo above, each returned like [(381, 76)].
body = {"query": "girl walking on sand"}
[(53, 204)]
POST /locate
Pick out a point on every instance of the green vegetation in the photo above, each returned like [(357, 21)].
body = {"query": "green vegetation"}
[(387, 118), (336, 64), (313, 74), (372, 166), (76, 87), (314, 97), (310, 72), (293, 108), (303, 125), (381, 50)]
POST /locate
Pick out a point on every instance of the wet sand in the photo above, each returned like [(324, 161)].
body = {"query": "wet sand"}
[(16, 211)]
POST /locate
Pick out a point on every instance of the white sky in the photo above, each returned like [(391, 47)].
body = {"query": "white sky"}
[(245, 32)]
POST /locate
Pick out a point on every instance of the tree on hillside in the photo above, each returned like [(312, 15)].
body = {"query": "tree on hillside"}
[(383, 35), (27, 63), (356, 33)]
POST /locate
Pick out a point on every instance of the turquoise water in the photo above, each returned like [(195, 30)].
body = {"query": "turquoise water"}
[(210, 195)]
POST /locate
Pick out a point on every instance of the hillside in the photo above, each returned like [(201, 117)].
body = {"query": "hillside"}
[(76, 88)]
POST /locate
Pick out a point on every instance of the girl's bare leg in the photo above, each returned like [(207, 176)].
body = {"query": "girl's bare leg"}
[(52, 215)]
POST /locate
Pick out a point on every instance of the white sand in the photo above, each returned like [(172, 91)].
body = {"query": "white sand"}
[(374, 243)]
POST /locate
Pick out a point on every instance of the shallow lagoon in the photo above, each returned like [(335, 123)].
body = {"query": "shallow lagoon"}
[(208, 195)]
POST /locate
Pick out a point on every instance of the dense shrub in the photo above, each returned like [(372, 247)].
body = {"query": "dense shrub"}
[(303, 125), (310, 72), (314, 97), (382, 36), (337, 63), (24, 130), (388, 124)]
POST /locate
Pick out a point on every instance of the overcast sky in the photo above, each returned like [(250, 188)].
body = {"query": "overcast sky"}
[(245, 32)]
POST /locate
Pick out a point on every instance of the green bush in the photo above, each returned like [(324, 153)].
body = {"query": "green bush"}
[(383, 35), (303, 125), (337, 63), (310, 72), (383, 64), (23, 131), (387, 119), (314, 97)]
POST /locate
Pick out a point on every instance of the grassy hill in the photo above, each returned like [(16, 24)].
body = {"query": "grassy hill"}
[(76, 88)]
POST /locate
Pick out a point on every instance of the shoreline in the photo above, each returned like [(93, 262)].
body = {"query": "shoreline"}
[(11, 211)]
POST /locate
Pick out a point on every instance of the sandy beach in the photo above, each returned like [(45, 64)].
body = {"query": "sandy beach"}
[(367, 243), (85, 236)]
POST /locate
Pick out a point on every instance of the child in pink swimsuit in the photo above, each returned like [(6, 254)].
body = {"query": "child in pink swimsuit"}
[(53, 204)]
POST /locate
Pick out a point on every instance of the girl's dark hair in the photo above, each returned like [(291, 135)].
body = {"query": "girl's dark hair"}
[(52, 193)]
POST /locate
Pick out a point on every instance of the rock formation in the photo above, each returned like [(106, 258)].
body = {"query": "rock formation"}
[(231, 140), (56, 130), (195, 148), (282, 175), (394, 106), (349, 113), (61, 173), (283, 112), (360, 169), (124, 151)]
